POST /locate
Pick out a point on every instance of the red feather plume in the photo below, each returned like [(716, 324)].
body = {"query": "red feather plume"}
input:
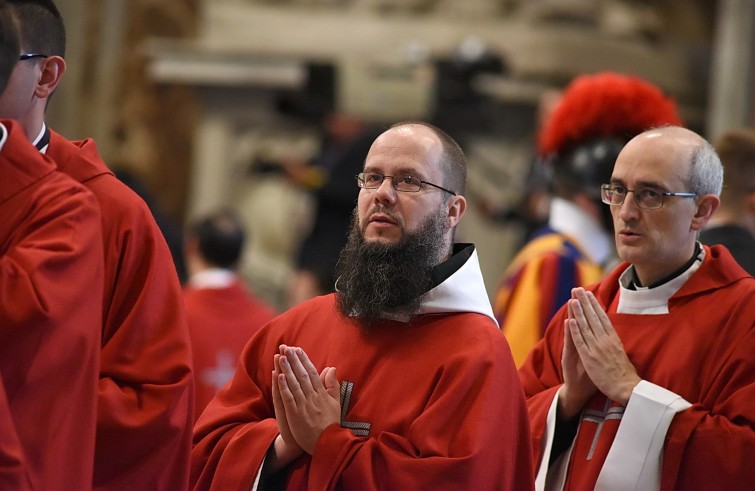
[(603, 105)]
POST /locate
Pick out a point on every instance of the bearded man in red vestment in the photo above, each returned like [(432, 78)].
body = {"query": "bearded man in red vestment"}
[(145, 401), (428, 396), (647, 380)]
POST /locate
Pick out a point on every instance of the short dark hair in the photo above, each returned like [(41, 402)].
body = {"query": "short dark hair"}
[(220, 237), (41, 27), (736, 149), (453, 160), (9, 45)]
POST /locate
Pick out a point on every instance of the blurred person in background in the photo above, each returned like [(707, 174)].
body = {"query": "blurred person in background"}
[(222, 313), (330, 178), (146, 391), (580, 139), (733, 225)]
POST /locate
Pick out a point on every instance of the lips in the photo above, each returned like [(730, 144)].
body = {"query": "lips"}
[(629, 237), (381, 218), (381, 215)]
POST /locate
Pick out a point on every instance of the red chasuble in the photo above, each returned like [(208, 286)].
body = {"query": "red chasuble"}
[(146, 387), (50, 318), (701, 350), (221, 321), (431, 404)]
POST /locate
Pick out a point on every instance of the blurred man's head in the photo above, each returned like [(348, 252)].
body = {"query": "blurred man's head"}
[(736, 149), (41, 66), (655, 231), (409, 205), (584, 133), (215, 241), (9, 44)]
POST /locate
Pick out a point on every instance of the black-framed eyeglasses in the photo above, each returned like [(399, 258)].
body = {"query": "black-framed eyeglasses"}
[(647, 198), (29, 56), (405, 184)]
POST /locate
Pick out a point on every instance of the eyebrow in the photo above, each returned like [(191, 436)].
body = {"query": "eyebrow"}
[(640, 184), (403, 171)]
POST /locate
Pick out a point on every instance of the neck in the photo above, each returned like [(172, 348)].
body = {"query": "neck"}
[(651, 276), (32, 122)]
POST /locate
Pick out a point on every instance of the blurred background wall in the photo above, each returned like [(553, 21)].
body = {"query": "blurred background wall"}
[(204, 100)]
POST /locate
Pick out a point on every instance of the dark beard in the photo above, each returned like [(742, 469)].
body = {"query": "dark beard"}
[(378, 280)]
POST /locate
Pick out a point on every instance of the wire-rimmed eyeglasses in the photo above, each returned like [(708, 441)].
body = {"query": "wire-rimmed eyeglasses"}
[(647, 198), (405, 183), (29, 56)]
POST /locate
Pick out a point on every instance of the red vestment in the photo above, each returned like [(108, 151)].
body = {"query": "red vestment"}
[(146, 387), (701, 351), (221, 321), (432, 403), (51, 282)]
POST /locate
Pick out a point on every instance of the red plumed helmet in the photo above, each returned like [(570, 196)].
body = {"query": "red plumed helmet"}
[(603, 105)]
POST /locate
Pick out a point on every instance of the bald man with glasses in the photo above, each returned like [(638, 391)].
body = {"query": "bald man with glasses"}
[(399, 380), (647, 380)]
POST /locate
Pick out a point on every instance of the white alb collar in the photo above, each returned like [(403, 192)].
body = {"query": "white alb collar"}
[(569, 219), (39, 137), (214, 278), (3, 136), (651, 301)]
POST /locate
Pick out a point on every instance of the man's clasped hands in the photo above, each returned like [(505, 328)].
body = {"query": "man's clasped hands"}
[(305, 402)]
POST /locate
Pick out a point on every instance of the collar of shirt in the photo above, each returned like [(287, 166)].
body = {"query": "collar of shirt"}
[(567, 218), (42, 141), (213, 278), (3, 136), (652, 301)]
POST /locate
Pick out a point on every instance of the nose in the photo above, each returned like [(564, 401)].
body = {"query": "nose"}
[(385, 192), (628, 210)]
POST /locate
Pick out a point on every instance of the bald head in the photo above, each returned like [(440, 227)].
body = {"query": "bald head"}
[(452, 159), (705, 173), (682, 174)]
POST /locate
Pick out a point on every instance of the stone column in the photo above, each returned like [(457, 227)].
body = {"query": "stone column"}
[(732, 68)]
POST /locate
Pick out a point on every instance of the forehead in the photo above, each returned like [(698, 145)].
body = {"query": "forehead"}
[(657, 158), (413, 149)]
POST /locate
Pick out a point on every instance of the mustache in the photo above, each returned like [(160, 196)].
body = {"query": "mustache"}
[(381, 209)]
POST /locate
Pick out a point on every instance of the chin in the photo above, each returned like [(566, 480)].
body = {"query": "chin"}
[(628, 254), (381, 240)]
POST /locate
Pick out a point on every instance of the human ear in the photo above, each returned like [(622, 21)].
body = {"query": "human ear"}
[(706, 206), (52, 70), (457, 206)]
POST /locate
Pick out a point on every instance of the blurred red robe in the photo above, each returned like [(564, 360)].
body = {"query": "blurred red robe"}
[(51, 282), (146, 386), (221, 322)]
